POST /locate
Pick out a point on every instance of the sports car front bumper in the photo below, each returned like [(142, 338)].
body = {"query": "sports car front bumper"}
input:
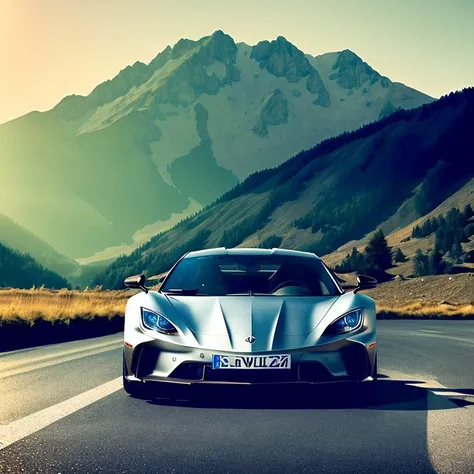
[(340, 361)]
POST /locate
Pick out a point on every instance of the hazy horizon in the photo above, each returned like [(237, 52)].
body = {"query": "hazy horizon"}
[(61, 48)]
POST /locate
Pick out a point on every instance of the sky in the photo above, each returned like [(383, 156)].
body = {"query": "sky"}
[(53, 48)]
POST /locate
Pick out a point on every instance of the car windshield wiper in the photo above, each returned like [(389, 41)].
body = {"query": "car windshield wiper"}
[(182, 291)]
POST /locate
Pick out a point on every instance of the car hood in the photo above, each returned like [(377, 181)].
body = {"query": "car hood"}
[(224, 323)]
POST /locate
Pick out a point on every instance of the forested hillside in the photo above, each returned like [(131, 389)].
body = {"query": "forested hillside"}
[(20, 270), (338, 191), (17, 237)]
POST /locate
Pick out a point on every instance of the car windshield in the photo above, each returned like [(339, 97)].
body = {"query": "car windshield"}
[(275, 275)]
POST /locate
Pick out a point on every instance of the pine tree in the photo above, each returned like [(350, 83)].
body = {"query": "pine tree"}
[(468, 212), (378, 252), (434, 262), (399, 256), (456, 250), (420, 262)]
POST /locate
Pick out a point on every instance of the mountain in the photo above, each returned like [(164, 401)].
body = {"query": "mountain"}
[(20, 270), (166, 138), (22, 240), (16, 237), (390, 172)]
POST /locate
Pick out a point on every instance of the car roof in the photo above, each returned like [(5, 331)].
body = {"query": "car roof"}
[(250, 251)]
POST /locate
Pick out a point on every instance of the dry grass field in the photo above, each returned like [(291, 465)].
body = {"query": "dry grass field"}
[(453, 290), (60, 305), (435, 296), (427, 297)]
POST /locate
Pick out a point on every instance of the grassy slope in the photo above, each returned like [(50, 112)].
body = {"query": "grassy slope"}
[(451, 289), (463, 196), (432, 297)]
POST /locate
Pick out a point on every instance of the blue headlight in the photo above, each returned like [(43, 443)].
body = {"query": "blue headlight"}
[(157, 322), (348, 322)]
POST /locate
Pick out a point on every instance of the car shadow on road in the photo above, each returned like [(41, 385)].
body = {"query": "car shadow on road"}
[(386, 394)]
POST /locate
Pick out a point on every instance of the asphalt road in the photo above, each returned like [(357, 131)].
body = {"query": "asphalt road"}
[(62, 411)]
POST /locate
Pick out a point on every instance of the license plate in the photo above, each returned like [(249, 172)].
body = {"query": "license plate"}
[(277, 361)]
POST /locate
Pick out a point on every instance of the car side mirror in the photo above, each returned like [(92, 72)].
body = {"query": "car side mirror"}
[(137, 282), (365, 282)]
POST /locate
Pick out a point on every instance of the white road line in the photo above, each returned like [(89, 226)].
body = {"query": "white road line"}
[(61, 347), (429, 330), (449, 394), (418, 333), (449, 432), (27, 360), (438, 389), (19, 429), (59, 359), (428, 384)]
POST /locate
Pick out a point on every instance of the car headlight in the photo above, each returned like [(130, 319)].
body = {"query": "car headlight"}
[(157, 322), (347, 323)]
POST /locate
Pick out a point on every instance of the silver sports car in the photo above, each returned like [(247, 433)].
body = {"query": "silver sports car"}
[(248, 316)]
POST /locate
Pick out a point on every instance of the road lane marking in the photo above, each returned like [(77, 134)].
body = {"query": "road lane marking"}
[(449, 394), (61, 346), (433, 335), (53, 355), (449, 426), (429, 330), (449, 432), (19, 429), (59, 359)]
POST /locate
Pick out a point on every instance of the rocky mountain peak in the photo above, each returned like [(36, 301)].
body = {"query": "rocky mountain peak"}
[(161, 58), (218, 47), (346, 56), (282, 59), (182, 47), (121, 83), (196, 73), (219, 34), (351, 72)]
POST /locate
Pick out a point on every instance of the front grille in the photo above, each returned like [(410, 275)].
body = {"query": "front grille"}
[(314, 372), (304, 372), (251, 375), (188, 371)]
